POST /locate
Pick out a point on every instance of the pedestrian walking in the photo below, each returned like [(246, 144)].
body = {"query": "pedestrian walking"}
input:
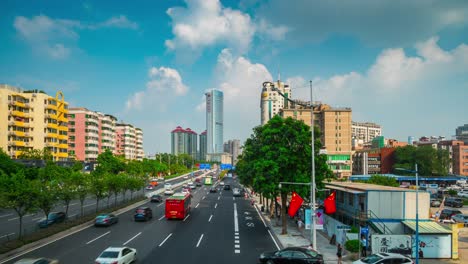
[(339, 252)]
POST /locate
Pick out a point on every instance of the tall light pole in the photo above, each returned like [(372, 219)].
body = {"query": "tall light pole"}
[(415, 171), (312, 186)]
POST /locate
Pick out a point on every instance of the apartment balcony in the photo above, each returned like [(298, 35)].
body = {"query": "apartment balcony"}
[(51, 144), (18, 143), (62, 128), (52, 125), (19, 114), (51, 135), (62, 118), (16, 133), (19, 104), (63, 145), (62, 137), (62, 154), (52, 116), (51, 107), (18, 123)]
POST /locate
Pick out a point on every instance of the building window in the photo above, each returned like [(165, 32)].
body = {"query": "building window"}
[(350, 199)]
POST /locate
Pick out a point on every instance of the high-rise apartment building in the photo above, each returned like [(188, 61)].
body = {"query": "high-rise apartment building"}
[(335, 128), (33, 120), (271, 102), (365, 131), (460, 160), (90, 133), (126, 141), (214, 121), (140, 154), (449, 146), (202, 148), (233, 147), (461, 133), (184, 141)]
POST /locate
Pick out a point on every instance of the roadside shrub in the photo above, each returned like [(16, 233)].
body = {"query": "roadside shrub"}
[(352, 245), (354, 230)]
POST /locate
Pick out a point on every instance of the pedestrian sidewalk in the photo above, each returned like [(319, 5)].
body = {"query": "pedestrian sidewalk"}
[(299, 237)]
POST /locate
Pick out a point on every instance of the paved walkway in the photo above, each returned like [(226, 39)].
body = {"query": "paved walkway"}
[(300, 237)]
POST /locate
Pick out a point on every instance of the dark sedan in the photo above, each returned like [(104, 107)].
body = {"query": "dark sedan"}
[(54, 217), (156, 198), (294, 255), (105, 220)]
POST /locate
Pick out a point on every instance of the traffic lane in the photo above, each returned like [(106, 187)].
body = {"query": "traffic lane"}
[(185, 242), (87, 244)]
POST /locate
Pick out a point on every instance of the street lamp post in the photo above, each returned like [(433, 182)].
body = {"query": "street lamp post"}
[(415, 171)]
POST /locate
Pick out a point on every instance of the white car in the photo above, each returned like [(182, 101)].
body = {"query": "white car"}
[(381, 258), (463, 194), (168, 191), (221, 183), (117, 255), (167, 186)]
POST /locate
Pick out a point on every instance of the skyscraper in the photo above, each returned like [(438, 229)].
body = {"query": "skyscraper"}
[(461, 133), (184, 141), (202, 154), (214, 122)]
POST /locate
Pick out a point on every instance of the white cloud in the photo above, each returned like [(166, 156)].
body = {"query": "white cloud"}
[(386, 22), (57, 37), (241, 82), (163, 85), (205, 23)]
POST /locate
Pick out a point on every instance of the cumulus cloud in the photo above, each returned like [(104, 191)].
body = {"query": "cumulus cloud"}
[(397, 86), (241, 82), (57, 37), (205, 23), (163, 85), (386, 22)]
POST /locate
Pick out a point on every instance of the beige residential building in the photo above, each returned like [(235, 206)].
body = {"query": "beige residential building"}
[(335, 127), (271, 102), (33, 120), (129, 141), (365, 131), (139, 144)]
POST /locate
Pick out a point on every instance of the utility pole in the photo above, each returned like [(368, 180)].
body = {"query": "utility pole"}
[(312, 186)]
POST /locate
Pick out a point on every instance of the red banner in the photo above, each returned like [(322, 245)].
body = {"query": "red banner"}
[(295, 204), (330, 203)]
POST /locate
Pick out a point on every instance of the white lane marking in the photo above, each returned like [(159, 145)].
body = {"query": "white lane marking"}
[(216, 205), (237, 251), (7, 235), (160, 205), (236, 223), (236, 241), (128, 241), (165, 239), (71, 204), (272, 238), (207, 192), (29, 215), (186, 217), (161, 218), (37, 218), (261, 218), (219, 197), (5, 215), (236, 246), (199, 240), (203, 198), (197, 205), (209, 220), (233, 198), (72, 215), (236, 237), (91, 241), (11, 219), (236, 233), (89, 205)]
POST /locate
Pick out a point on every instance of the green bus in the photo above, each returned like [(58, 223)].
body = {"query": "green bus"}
[(208, 180)]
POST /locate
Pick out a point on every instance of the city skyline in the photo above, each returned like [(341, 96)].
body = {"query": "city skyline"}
[(151, 64)]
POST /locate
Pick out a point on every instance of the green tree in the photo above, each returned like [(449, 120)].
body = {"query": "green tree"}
[(47, 195), (109, 163), (97, 187), (115, 184), (430, 161), (383, 180), (7, 165), (67, 189), (18, 193), (83, 188), (280, 151)]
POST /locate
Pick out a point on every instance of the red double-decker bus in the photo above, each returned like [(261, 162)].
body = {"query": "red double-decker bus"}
[(178, 206)]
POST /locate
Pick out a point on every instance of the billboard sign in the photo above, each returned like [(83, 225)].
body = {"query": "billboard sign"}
[(400, 244), (433, 246)]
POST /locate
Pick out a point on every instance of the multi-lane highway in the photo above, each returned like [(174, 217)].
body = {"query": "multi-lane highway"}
[(9, 220), (219, 229)]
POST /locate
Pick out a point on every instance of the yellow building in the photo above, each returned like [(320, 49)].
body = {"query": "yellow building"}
[(335, 128), (33, 120)]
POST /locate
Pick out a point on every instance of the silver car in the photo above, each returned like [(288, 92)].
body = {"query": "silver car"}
[(460, 218)]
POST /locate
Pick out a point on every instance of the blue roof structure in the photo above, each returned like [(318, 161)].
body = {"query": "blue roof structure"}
[(411, 178)]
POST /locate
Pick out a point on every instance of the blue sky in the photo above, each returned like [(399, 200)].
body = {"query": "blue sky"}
[(401, 64)]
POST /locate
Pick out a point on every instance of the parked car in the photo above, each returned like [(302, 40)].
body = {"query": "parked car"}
[(461, 218), (463, 194), (291, 255), (435, 202), (453, 202), (448, 213), (53, 218), (156, 198), (105, 220), (383, 258), (37, 261), (227, 187), (143, 214), (117, 255)]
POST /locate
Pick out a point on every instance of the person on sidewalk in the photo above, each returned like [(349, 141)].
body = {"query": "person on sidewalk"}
[(363, 246), (339, 252)]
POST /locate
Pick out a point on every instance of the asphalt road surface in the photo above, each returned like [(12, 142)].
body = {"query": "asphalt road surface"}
[(9, 220), (219, 229)]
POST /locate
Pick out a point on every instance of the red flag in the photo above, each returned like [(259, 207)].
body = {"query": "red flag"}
[(295, 204), (330, 204)]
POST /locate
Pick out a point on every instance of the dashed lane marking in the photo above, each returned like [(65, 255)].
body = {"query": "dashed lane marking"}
[(92, 240), (128, 241), (162, 243), (186, 217), (209, 220), (197, 205), (161, 218), (199, 240)]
